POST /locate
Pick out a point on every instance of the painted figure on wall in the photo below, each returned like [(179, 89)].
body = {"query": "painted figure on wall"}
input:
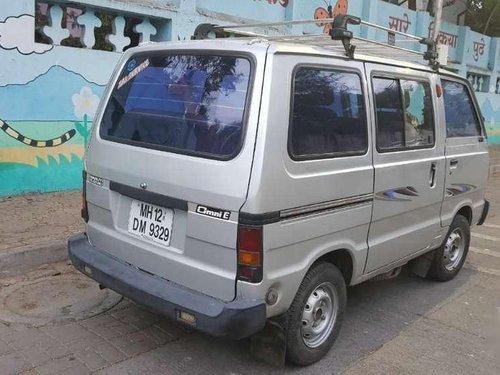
[(46, 110), (341, 7)]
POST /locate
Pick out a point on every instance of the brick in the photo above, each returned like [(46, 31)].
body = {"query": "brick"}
[(13, 363), (5, 332), (92, 360), (108, 333), (28, 337), (68, 332), (123, 328), (110, 353), (76, 370), (5, 348), (98, 321), (29, 372), (85, 343), (133, 343), (56, 350), (35, 355), (107, 326), (158, 335), (58, 366), (174, 328), (137, 316)]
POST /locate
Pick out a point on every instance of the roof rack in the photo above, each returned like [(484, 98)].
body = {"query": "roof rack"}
[(338, 31)]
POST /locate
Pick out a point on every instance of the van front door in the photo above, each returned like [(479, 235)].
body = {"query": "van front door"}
[(409, 165)]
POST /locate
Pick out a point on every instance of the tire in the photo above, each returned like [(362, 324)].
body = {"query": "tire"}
[(319, 303), (450, 257)]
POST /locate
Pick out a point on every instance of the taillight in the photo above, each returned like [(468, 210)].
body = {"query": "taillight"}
[(84, 211), (250, 253)]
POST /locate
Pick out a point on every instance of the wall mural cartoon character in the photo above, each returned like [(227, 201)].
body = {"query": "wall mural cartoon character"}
[(320, 13), (33, 142)]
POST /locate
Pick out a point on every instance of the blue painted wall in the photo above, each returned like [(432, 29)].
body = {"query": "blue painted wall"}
[(50, 92)]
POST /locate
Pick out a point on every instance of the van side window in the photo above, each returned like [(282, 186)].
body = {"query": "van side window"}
[(404, 114), (461, 117), (328, 115)]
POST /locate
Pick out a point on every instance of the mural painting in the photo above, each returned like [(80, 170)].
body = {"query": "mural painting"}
[(283, 3), (490, 109), (49, 91), (341, 7), (46, 110)]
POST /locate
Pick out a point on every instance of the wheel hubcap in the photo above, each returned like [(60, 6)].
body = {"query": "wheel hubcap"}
[(453, 250), (319, 315)]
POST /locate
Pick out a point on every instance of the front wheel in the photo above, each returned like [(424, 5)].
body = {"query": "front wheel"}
[(316, 314), (450, 257)]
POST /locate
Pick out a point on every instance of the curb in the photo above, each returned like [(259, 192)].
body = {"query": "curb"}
[(18, 260)]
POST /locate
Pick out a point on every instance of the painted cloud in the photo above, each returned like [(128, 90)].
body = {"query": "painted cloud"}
[(18, 33)]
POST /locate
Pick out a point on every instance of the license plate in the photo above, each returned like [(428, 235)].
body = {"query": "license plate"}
[(151, 222)]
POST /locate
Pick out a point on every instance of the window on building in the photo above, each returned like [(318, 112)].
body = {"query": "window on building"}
[(461, 117), (328, 115), (81, 26), (404, 114)]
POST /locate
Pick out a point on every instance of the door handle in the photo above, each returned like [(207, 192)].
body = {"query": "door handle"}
[(432, 177), (453, 165)]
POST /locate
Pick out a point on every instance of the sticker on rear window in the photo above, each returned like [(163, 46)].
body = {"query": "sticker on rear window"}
[(213, 212), (134, 70)]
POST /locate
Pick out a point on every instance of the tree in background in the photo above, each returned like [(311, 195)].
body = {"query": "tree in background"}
[(482, 16)]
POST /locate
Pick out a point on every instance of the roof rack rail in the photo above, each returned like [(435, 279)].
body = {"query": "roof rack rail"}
[(338, 31)]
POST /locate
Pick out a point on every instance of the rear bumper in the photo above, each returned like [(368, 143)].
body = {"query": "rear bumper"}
[(236, 319)]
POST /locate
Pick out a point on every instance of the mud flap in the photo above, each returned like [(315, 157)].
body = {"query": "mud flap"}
[(420, 266), (269, 345)]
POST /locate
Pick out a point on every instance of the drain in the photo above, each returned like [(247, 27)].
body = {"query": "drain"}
[(52, 300)]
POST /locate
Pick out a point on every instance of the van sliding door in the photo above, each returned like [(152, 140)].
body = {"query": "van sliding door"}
[(409, 165)]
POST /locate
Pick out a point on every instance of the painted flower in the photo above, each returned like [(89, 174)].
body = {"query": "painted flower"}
[(85, 103)]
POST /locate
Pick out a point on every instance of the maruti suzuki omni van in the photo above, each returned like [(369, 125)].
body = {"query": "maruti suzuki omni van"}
[(228, 182)]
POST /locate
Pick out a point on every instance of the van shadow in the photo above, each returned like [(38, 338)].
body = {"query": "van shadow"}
[(377, 311)]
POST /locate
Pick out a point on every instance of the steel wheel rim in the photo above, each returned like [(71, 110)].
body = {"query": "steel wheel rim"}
[(454, 249), (319, 315)]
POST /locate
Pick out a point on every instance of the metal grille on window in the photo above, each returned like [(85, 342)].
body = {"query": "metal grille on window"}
[(479, 82), (80, 26)]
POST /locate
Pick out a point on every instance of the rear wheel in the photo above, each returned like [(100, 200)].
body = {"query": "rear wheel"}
[(316, 314), (450, 257)]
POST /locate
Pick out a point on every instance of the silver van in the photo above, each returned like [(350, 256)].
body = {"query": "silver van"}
[(232, 181)]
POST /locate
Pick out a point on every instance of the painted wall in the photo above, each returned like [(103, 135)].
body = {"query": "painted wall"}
[(490, 108), (49, 92)]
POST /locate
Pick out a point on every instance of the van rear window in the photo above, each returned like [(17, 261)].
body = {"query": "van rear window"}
[(192, 104)]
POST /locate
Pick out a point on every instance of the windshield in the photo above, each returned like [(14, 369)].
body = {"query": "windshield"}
[(192, 104)]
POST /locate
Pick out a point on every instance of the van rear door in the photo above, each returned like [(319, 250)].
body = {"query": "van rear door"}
[(467, 158), (173, 146)]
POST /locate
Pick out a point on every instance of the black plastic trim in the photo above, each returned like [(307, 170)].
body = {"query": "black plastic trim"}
[(484, 215), (84, 212), (236, 319), (148, 196), (259, 219), (277, 216)]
